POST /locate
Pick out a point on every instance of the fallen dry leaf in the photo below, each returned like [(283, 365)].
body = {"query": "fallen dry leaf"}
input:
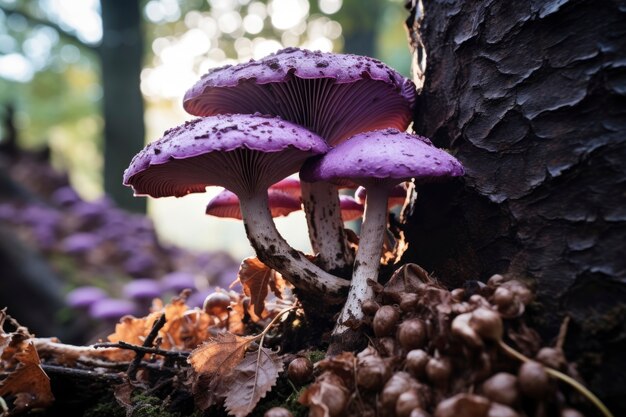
[(257, 279), (220, 355), (254, 377), (28, 383)]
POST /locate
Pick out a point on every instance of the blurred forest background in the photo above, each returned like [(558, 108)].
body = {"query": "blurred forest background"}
[(83, 85), (91, 81)]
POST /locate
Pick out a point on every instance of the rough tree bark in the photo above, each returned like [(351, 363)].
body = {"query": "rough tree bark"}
[(530, 96)]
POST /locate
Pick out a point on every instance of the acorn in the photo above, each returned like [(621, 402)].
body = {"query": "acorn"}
[(387, 346), (216, 304), (495, 280), (487, 323), (466, 405), (551, 357), (372, 371), (520, 289), (462, 330), (501, 410), (398, 383), (416, 361), (502, 388), (408, 301), (328, 391), (277, 412), (407, 402), (571, 412), (412, 334), (418, 412), (385, 321), (503, 298), (300, 371), (457, 294), (478, 301), (534, 381), (438, 371), (369, 307)]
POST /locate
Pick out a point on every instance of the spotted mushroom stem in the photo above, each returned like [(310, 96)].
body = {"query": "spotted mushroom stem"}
[(366, 266), (328, 238), (272, 249)]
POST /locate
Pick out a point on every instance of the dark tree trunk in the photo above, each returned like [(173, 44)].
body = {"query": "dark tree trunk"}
[(121, 57), (530, 96)]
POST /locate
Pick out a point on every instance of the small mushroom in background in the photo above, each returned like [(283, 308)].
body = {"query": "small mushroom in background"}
[(226, 204), (350, 208), (245, 154), (110, 310), (378, 161), (82, 298), (397, 195), (333, 95), (290, 185), (142, 291), (178, 281)]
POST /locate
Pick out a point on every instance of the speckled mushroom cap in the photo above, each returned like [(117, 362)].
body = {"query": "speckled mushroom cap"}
[(243, 153), (226, 204), (385, 156), (334, 95)]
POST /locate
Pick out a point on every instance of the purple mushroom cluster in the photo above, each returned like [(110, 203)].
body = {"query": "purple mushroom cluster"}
[(337, 119), (111, 260)]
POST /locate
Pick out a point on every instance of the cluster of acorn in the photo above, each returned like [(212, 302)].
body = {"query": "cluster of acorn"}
[(440, 353)]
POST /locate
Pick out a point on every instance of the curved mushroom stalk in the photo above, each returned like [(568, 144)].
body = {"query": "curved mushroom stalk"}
[(276, 253), (328, 238), (366, 265)]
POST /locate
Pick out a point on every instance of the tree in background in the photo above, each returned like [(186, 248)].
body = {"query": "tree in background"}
[(81, 95)]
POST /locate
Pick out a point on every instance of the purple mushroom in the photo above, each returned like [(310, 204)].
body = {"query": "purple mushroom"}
[(178, 281), (378, 161), (226, 204), (111, 309), (245, 154), (350, 208), (397, 195), (289, 185), (83, 297), (334, 95), (142, 291)]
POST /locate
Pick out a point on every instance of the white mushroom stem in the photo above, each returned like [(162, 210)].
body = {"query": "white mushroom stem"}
[(326, 232), (367, 261), (276, 253)]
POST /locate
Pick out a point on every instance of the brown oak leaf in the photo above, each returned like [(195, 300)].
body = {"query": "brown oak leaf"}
[(28, 383), (254, 377), (257, 279)]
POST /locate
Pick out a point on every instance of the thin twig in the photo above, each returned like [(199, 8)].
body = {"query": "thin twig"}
[(182, 356), (81, 373), (154, 332)]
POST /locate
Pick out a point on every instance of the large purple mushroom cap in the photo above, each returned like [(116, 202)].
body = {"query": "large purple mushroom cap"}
[(383, 156), (335, 95), (84, 297), (111, 309), (226, 204), (243, 153), (142, 289)]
